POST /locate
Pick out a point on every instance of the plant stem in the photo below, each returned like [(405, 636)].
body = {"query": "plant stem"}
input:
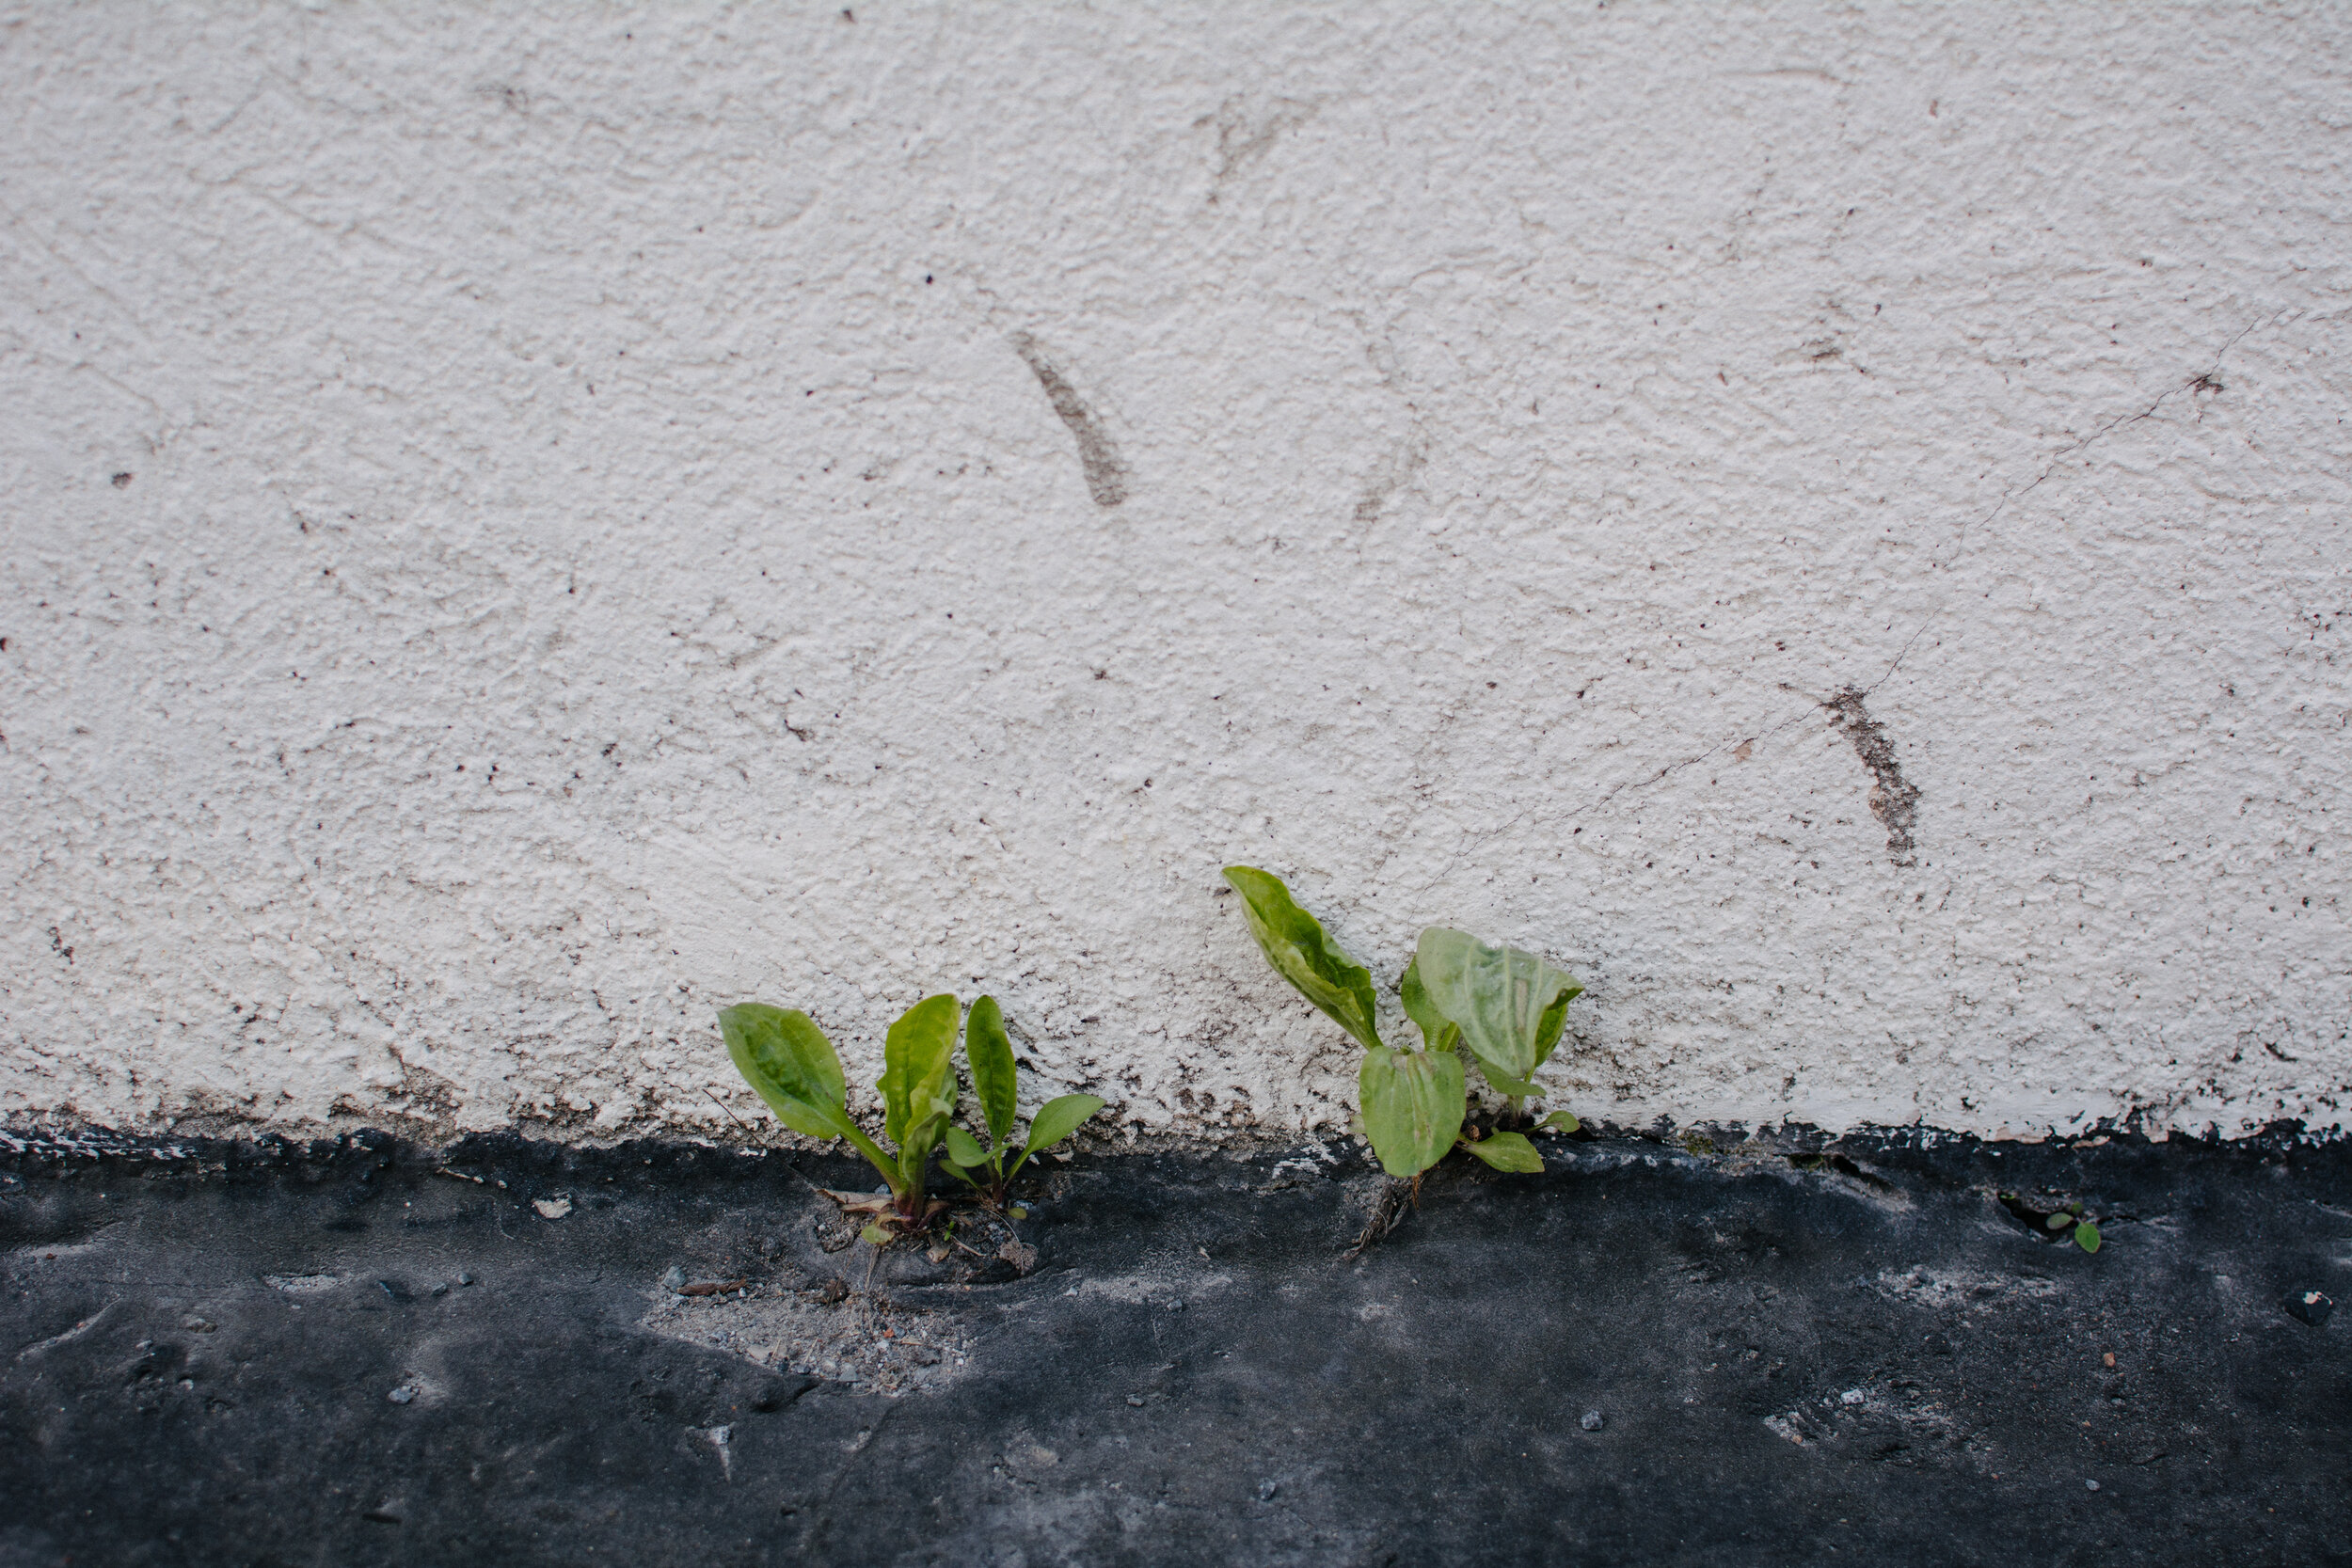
[(881, 1161)]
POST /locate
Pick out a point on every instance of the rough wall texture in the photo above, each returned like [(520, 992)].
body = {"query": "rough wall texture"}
[(523, 528)]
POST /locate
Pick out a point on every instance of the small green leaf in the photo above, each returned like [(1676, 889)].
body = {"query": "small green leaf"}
[(2075, 1208), (2060, 1221), (1057, 1118), (788, 1060), (921, 1139), (1413, 1103), (1565, 1121), (1553, 1023), (1439, 1032), (2087, 1236), (1295, 943), (918, 1079), (1505, 1000), (1507, 1151), (875, 1234), (1518, 1088), (989, 1051), (964, 1150)]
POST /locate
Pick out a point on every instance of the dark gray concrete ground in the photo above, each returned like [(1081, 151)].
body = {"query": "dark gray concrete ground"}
[(267, 1354)]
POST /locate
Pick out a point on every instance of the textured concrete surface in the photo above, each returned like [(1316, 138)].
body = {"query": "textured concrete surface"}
[(1772, 1354), (520, 526)]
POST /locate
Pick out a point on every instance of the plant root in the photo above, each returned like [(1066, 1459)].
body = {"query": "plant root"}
[(1387, 1216)]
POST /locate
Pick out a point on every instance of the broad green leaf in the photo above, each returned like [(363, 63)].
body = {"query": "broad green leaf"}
[(2060, 1221), (1500, 996), (1057, 1118), (875, 1234), (918, 1079), (1507, 1151), (965, 1149), (1439, 1032), (1413, 1102), (1565, 1121), (2087, 1236), (990, 1052), (1295, 943), (788, 1060)]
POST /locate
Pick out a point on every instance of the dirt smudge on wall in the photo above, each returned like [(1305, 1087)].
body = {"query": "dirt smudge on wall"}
[(1894, 800), (1107, 476)]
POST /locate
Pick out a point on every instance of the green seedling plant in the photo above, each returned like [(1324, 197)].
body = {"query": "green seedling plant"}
[(2067, 1223), (1507, 1008), (788, 1059), (989, 1052), (2085, 1233)]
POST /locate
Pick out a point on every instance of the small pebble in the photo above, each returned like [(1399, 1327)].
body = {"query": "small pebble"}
[(441, 1288), (1267, 1490), (1593, 1421), (1135, 1399), (674, 1278), (465, 1279), (1851, 1396), (2090, 1485), (2311, 1307), (402, 1395)]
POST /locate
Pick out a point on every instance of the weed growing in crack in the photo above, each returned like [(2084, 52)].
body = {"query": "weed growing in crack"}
[(784, 1056), (1505, 1007), (788, 1060), (988, 1052), (2065, 1224)]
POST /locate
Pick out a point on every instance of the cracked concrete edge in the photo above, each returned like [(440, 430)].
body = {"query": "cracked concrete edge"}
[(197, 1150)]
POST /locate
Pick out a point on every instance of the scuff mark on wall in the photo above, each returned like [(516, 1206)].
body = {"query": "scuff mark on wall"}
[(1107, 475), (1242, 138), (1394, 476), (1894, 800)]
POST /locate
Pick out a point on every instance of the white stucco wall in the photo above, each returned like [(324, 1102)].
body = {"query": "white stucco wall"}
[(523, 528)]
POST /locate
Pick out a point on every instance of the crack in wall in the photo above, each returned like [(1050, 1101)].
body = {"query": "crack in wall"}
[(1106, 474), (2207, 381), (1894, 800)]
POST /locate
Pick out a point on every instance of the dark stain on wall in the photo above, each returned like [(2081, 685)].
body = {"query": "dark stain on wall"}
[(1107, 476), (1894, 800)]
